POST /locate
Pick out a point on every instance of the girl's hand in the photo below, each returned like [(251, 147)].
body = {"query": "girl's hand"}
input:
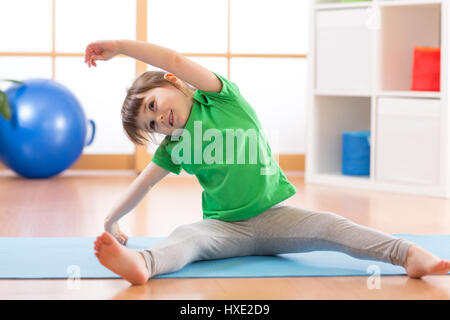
[(114, 230), (121, 237), (100, 50)]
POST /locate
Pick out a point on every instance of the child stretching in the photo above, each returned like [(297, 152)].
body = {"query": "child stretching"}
[(243, 210)]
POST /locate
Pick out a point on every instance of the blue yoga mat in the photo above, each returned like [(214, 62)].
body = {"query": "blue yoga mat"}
[(53, 258)]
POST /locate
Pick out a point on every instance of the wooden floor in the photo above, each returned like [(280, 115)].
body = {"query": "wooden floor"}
[(74, 205)]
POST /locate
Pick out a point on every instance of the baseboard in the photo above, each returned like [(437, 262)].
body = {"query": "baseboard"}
[(287, 162)]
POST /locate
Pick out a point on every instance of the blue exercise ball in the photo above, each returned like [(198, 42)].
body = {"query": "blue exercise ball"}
[(47, 130)]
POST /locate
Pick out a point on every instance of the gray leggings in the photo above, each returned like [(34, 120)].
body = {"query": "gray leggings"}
[(280, 229)]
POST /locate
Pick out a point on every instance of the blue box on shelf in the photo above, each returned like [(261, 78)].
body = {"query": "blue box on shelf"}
[(356, 153)]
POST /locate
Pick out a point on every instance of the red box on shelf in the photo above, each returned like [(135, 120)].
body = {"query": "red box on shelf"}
[(426, 73)]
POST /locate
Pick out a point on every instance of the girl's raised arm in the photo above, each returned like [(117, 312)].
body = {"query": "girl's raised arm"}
[(160, 57)]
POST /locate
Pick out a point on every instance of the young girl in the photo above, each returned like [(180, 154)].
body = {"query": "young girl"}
[(242, 201)]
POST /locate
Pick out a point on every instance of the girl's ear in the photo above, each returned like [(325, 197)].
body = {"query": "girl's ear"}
[(178, 83), (170, 77)]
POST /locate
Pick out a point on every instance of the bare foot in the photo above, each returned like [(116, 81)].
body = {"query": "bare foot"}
[(125, 262), (420, 262)]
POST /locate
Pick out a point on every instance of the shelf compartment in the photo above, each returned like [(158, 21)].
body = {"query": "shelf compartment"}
[(402, 28), (334, 115), (408, 140), (344, 50)]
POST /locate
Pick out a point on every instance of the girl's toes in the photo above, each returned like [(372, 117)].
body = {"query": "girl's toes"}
[(97, 244), (445, 266)]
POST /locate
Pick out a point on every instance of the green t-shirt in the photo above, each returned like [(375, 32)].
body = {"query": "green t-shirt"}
[(224, 146)]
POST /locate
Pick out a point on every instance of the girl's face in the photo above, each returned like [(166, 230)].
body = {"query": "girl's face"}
[(165, 109)]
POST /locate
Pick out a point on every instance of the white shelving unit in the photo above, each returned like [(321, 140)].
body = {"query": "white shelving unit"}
[(360, 67)]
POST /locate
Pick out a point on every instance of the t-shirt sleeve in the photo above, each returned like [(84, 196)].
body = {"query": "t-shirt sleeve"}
[(163, 159), (230, 91)]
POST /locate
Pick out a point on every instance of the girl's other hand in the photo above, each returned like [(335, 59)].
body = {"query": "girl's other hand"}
[(121, 237), (100, 50), (114, 230)]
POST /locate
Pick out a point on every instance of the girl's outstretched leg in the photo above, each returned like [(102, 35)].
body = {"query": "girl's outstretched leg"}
[(289, 229), (203, 240)]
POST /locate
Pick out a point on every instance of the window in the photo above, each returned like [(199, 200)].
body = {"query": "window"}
[(261, 45)]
